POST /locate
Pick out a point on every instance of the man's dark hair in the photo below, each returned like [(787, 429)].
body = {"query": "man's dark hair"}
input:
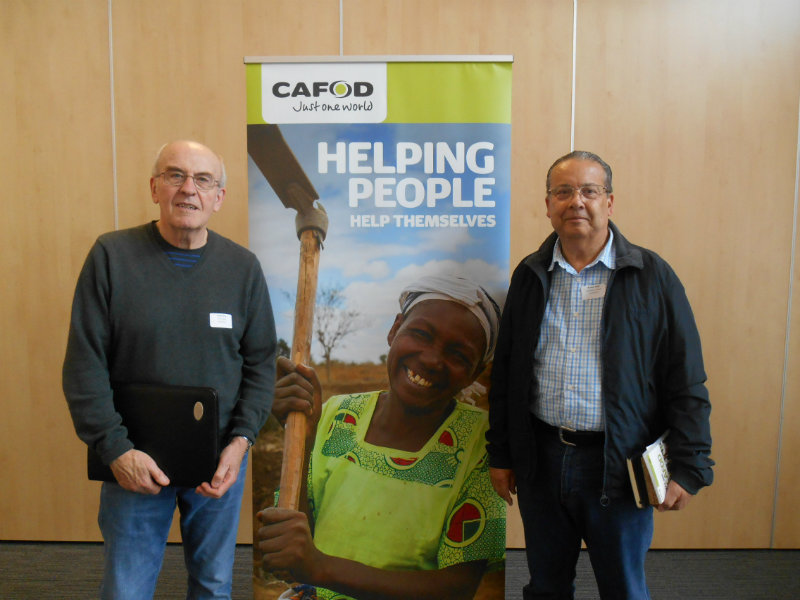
[(583, 155)]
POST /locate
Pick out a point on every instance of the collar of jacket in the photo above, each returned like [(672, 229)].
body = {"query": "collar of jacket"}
[(628, 255)]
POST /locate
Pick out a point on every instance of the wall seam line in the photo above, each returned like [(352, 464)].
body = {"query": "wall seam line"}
[(112, 99), (574, 69), (788, 339), (341, 27)]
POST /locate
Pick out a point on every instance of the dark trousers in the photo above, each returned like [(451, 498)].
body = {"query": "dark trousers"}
[(562, 506)]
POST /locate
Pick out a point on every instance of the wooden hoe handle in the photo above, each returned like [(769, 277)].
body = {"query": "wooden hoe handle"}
[(295, 435)]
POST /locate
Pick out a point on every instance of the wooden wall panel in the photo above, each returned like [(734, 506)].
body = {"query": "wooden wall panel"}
[(695, 104), (54, 118), (179, 73)]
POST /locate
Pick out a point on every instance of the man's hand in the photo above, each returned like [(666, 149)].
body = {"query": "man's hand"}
[(227, 470), (676, 498), (137, 472), (504, 483)]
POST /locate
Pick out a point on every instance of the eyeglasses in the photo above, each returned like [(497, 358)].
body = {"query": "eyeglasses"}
[(202, 181), (565, 192)]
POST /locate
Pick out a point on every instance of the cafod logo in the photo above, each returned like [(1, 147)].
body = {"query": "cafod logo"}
[(337, 89), (324, 93)]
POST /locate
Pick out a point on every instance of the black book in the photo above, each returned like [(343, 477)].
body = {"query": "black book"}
[(178, 426)]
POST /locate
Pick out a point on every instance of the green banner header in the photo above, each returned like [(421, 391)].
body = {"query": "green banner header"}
[(419, 92), (449, 92)]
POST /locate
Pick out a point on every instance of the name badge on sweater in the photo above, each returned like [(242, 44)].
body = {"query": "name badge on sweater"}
[(590, 292), (220, 320)]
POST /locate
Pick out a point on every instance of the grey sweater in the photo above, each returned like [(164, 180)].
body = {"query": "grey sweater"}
[(137, 318)]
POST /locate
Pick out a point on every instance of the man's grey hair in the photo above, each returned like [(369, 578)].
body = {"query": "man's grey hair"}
[(222, 179), (583, 155)]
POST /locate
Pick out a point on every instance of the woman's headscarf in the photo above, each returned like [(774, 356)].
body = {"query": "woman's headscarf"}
[(462, 291)]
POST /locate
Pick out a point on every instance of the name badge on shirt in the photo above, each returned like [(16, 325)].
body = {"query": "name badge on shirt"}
[(220, 320), (590, 292)]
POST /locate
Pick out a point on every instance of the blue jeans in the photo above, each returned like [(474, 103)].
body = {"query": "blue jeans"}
[(561, 507), (135, 529)]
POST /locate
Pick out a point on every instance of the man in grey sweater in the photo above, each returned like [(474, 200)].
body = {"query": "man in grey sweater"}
[(171, 302)]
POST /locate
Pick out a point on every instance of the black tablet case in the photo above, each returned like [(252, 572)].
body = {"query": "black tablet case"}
[(162, 421)]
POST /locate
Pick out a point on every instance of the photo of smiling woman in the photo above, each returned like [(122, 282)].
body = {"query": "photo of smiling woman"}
[(398, 502)]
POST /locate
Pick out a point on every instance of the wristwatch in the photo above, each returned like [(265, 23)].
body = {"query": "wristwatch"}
[(246, 439)]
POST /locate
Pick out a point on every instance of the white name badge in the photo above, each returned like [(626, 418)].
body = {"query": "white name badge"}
[(220, 320), (590, 292)]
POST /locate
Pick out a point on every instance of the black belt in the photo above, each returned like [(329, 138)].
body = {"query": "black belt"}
[(571, 437)]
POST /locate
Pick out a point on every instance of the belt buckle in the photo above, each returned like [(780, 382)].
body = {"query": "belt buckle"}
[(561, 431)]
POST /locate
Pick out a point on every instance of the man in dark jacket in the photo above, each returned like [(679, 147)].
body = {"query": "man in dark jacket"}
[(598, 356)]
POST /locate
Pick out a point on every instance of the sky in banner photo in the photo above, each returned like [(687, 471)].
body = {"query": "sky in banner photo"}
[(404, 200)]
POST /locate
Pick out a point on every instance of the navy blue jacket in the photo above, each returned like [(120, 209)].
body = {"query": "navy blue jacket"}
[(653, 375)]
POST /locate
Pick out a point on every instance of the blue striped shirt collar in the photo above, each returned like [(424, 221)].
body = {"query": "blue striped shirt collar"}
[(607, 256)]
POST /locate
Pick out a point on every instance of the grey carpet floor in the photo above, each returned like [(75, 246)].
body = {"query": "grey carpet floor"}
[(68, 571)]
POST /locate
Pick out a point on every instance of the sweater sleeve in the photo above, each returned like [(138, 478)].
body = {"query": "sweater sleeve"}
[(85, 374), (259, 350)]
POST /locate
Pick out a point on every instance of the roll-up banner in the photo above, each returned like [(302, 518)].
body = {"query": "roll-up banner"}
[(379, 195)]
